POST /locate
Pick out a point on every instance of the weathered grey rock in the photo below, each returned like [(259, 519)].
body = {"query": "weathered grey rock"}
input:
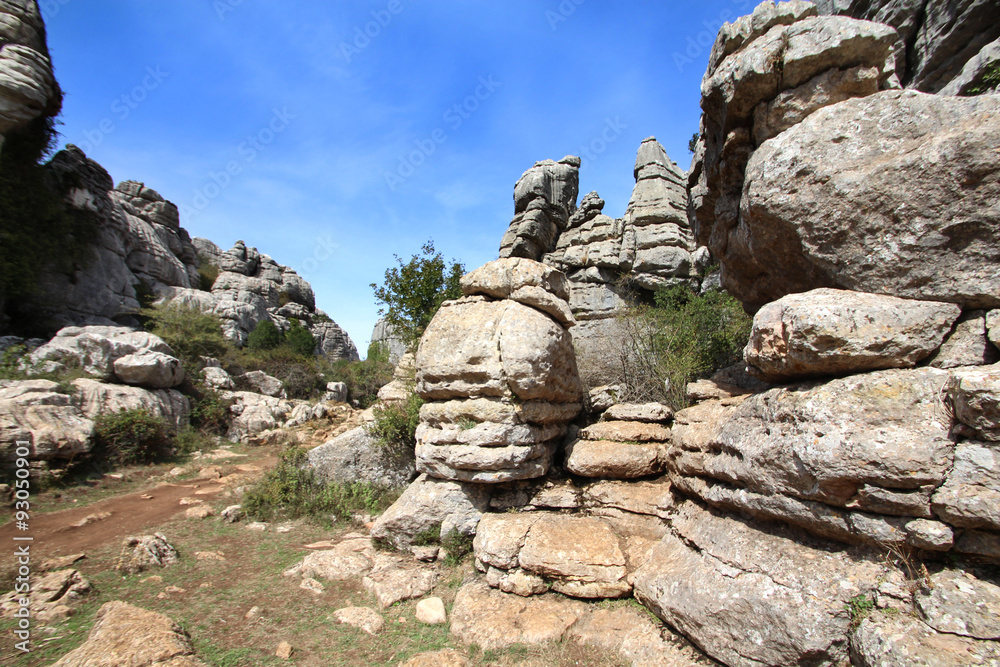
[(255, 413), (936, 38), (358, 456), (970, 496), (858, 163), (431, 611), (749, 597), (28, 88), (929, 535), (94, 349), (384, 334), (97, 398), (544, 198), (614, 460), (140, 553), (974, 79), (150, 369), (900, 640), (393, 579), (333, 341), (36, 412), (958, 603), (493, 620), (967, 345), (53, 596), (128, 635), (823, 442), (348, 560), (833, 332), (429, 503), (638, 412), (626, 431), (262, 383), (364, 618), (217, 378), (975, 396)]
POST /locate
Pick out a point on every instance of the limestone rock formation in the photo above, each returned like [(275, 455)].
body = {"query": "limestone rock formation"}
[(127, 635), (752, 595), (849, 219), (832, 332), (358, 456), (97, 398), (383, 334), (767, 72), (28, 89), (499, 369), (936, 39), (37, 412), (544, 198)]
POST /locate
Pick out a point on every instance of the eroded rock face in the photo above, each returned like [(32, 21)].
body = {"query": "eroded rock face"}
[(28, 88), (97, 398), (432, 503), (37, 412), (127, 635), (768, 72), (833, 332), (357, 456), (936, 38), (544, 198), (580, 556), (750, 597), (852, 459), (500, 376), (900, 640), (857, 163)]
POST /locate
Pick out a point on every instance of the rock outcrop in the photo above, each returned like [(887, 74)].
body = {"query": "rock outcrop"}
[(127, 635), (936, 39), (544, 199), (28, 88), (849, 219), (498, 371)]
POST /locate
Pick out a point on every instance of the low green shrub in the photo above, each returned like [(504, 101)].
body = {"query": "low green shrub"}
[(457, 546), (363, 378), (395, 424), (291, 490), (207, 273), (299, 339), (265, 336), (131, 437), (682, 337), (191, 333), (210, 412)]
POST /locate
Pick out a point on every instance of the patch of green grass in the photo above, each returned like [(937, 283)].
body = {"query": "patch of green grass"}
[(292, 490), (457, 546), (859, 607)]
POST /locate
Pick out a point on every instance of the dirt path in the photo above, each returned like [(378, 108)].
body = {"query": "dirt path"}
[(82, 529)]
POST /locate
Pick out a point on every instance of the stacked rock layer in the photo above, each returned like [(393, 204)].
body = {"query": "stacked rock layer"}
[(498, 372)]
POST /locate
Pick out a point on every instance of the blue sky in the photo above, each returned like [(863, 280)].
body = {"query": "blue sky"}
[(333, 135)]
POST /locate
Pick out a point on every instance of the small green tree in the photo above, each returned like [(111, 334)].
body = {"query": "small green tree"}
[(693, 143), (413, 292), (190, 332), (265, 336), (300, 339)]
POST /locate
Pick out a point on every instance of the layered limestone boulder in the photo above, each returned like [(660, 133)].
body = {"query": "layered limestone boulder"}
[(498, 372), (39, 413), (936, 39), (752, 594), (359, 456), (630, 442), (110, 353), (835, 332), (850, 220), (529, 553), (606, 258), (769, 72), (250, 288), (28, 88), (544, 199)]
